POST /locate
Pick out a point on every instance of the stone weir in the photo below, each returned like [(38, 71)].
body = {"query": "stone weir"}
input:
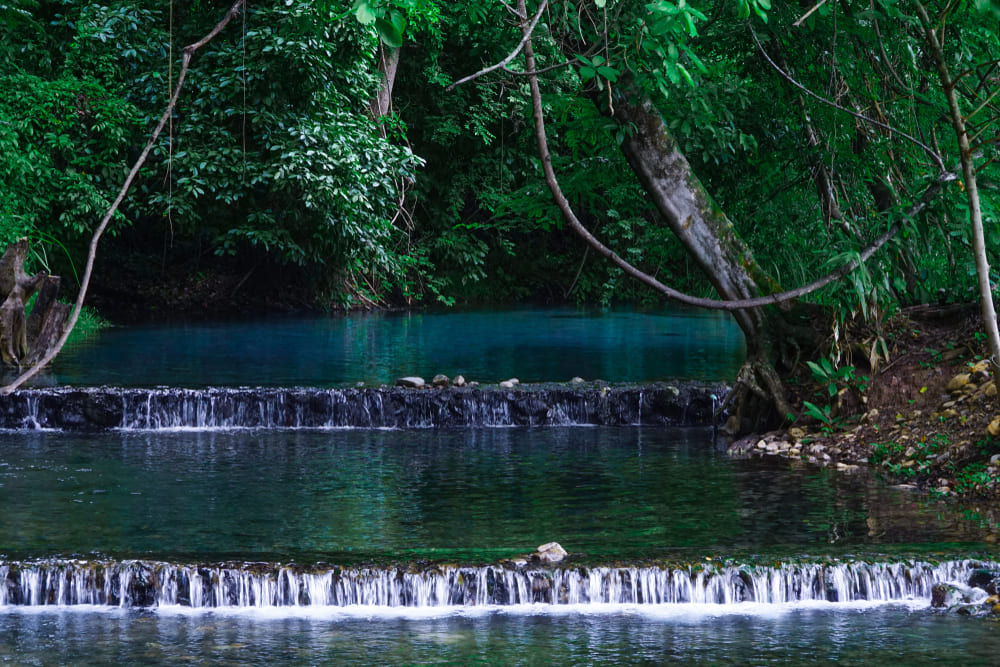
[(136, 583), (103, 408)]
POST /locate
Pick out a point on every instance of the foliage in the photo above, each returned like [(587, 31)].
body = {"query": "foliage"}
[(273, 158), (271, 155)]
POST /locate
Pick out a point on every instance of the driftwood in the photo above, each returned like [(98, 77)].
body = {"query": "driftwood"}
[(25, 338)]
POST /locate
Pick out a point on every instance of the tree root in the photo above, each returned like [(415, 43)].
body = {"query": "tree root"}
[(759, 399)]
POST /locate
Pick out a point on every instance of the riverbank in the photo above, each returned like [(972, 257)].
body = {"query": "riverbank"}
[(924, 415)]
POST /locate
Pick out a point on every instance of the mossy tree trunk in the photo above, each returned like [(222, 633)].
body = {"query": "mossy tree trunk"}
[(710, 239), (700, 225)]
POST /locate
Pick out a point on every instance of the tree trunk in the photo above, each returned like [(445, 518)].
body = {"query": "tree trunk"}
[(700, 225), (948, 84), (24, 340), (710, 238), (388, 63)]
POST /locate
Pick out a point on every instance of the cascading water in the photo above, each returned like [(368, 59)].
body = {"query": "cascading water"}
[(228, 408), (264, 585)]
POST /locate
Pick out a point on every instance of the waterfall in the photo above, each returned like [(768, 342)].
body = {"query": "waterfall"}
[(103, 408), (137, 583)]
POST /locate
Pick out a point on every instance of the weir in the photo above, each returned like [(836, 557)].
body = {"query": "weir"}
[(137, 583), (104, 408)]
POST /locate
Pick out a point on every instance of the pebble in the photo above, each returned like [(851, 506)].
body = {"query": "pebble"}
[(957, 382)]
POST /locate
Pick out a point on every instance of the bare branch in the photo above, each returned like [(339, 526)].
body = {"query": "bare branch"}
[(809, 13), (785, 75), (543, 70), (189, 51), (513, 54)]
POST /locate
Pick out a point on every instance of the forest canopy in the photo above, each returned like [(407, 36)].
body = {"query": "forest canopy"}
[(290, 163)]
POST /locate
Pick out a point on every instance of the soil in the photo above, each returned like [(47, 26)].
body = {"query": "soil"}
[(921, 416)]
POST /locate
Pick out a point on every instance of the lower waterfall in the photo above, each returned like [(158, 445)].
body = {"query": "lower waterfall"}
[(137, 583)]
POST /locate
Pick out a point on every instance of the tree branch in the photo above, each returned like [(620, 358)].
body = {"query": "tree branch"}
[(512, 54), (188, 53), (730, 305), (934, 156)]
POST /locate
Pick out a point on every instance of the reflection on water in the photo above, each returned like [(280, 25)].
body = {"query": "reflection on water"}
[(533, 345), (479, 494), (888, 635)]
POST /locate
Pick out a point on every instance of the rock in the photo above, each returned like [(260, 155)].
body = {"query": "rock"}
[(459, 381), (441, 380), (550, 552), (412, 381), (991, 390), (506, 384), (576, 380), (982, 366), (950, 413), (514, 381), (946, 595), (994, 427), (988, 580), (957, 382), (796, 432)]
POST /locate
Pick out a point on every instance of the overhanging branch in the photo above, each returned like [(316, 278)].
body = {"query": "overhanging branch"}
[(188, 53)]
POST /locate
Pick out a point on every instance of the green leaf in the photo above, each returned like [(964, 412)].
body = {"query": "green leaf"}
[(390, 35), (364, 12), (609, 73)]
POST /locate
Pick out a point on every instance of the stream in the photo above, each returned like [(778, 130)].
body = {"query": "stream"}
[(228, 496)]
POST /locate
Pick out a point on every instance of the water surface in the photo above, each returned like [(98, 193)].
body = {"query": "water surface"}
[(551, 345), (886, 635), (346, 496)]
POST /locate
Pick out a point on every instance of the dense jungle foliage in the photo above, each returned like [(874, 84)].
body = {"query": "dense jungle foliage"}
[(278, 183)]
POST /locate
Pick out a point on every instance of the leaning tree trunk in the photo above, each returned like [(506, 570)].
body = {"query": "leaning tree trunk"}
[(700, 225), (24, 339), (710, 239)]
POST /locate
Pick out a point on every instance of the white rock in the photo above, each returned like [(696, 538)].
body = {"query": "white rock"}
[(551, 552), (413, 381)]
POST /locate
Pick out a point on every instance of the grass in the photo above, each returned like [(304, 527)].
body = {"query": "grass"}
[(87, 326)]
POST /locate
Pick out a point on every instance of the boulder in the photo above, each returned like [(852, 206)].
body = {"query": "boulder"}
[(441, 380), (550, 552), (994, 428), (987, 580), (948, 595), (458, 381), (576, 380), (411, 381)]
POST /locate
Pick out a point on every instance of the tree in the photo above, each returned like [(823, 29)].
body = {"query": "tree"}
[(600, 49)]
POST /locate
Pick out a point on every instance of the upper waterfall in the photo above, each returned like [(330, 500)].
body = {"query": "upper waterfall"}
[(385, 407)]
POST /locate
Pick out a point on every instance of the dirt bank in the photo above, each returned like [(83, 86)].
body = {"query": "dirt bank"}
[(921, 415)]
